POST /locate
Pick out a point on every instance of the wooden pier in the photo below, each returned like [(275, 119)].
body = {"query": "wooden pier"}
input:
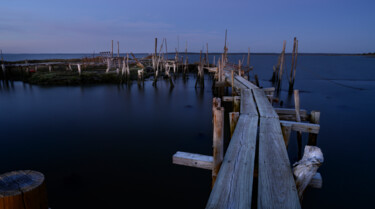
[(255, 171)]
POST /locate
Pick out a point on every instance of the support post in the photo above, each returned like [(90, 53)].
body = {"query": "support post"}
[(286, 130), (233, 119), (314, 118), (79, 68), (236, 103), (298, 118), (218, 142)]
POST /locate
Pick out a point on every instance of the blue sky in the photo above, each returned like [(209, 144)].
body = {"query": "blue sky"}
[(55, 26)]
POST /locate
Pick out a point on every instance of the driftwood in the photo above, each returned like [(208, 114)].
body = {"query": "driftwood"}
[(305, 169)]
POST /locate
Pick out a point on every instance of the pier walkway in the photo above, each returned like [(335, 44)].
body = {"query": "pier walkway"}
[(258, 132)]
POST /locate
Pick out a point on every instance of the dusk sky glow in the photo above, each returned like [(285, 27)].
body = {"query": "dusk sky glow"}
[(321, 26)]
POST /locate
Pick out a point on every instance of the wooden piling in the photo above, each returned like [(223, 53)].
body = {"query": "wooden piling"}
[(298, 118), (233, 119), (112, 49), (236, 103), (286, 130), (233, 91), (293, 65), (239, 68), (218, 142), (23, 189), (79, 68), (314, 118)]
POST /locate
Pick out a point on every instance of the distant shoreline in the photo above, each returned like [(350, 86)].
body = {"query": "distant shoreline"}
[(233, 53)]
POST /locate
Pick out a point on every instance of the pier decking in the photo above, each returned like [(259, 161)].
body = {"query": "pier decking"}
[(234, 184)]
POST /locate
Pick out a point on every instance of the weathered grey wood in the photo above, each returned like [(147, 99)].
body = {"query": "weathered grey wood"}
[(276, 186), (305, 169), (300, 126), (221, 84), (245, 82), (286, 130), (233, 187), (218, 142), (316, 181), (236, 103), (315, 118), (227, 99), (269, 91), (233, 119), (290, 114), (193, 160), (264, 106), (290, 111), (248, 105)]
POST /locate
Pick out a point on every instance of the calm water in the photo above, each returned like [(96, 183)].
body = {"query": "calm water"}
[(114, 144)]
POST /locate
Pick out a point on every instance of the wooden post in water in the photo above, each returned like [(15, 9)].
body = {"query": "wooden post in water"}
[(292, 65), (256, 80), (239, 68), (280, 73), (286, 130), (79, 68), (218, 142), (233, 119), (236, 103), (112, 50), (314, 118), (298, 119), (207, 60), (23, 190)]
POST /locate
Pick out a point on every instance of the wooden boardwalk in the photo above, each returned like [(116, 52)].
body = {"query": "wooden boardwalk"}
[(259, 128)]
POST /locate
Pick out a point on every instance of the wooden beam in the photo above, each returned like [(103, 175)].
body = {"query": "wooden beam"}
[(300, 126), (227, 99), (193, 160)]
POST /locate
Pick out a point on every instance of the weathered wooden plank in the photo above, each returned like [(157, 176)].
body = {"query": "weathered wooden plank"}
[(245, 82), (248, 105), (264, 106), (290, 111), (276, 186), (193, 160), (304, 127), (227, 98), (233, 187)]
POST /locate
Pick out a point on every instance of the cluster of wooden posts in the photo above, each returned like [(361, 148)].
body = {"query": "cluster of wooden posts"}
[(279, 68), (257, 127)]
